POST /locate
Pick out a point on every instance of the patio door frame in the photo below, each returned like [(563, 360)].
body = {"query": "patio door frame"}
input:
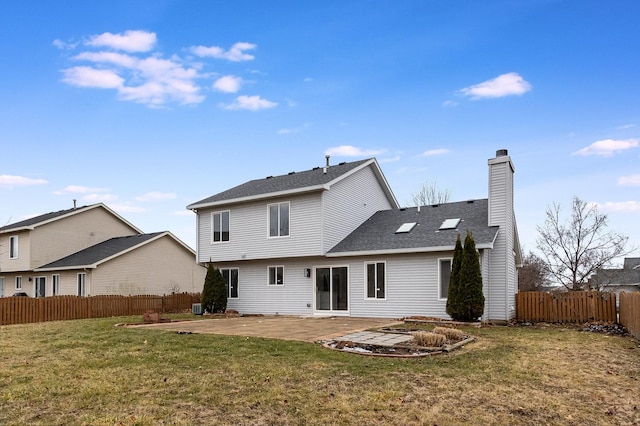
[(37, 282), (331, 311)]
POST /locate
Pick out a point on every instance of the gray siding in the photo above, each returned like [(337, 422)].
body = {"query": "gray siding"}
[(349, 203), (248, 227), (502, 271)]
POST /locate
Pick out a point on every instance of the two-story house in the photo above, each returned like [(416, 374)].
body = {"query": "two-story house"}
[(333, 240), (91, 250)]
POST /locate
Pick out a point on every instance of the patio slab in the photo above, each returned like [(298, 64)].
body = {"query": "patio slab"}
[(306, 329)]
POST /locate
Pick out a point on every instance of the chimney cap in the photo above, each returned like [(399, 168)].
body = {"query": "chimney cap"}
[(502, 153)]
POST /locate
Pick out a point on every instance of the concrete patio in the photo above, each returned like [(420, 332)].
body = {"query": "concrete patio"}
[(306, 329)]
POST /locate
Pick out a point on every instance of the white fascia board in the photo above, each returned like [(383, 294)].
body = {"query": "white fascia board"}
[(259, 197), (404, 251), (20, 229), (66, 268)]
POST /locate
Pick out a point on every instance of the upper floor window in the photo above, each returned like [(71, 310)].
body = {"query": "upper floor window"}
[(220, 226), (279, 219), (376, 280), (13, 247), (276, 275), (444, 275)]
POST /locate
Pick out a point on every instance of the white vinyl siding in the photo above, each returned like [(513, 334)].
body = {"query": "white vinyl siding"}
[(250, 241), (349, 203)]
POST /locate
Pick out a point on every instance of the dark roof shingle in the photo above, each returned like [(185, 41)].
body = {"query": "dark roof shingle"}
[(288, 182), (39, 219), (100, 251), (378, 233)]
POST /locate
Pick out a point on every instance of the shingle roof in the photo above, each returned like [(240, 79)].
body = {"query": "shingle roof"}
[(99, 252), (378, 233), (27, 223), (274, 184)]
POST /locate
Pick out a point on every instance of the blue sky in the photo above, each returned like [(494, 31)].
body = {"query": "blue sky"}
[(149, 106)]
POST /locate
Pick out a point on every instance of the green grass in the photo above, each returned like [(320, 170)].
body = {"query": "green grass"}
[(90, 372)]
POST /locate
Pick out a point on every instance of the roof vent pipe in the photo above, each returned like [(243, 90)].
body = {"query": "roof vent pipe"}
[(502, 153), (74, 203), (324, 170)]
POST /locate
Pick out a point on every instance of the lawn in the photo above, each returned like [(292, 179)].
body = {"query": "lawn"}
[(90, 372)]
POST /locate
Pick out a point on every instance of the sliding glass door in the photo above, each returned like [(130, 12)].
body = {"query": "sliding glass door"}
[(331, 289)]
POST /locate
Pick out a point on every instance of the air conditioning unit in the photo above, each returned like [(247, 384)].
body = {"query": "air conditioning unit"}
[(196, 308)]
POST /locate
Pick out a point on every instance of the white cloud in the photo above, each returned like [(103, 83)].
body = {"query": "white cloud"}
[(619, 207), (129, 41), (449, 104), (390, 159), (631, 180), (120, 59), (79, 189), (228, 84), (608, 147), (251, 103), (294, 130), (156, 196), (92, 77), (235, 54), (352, 151), (626, 126), (503, 85), (432, 152), (99, 198), (10, 181), (128, 208), (63, 45)]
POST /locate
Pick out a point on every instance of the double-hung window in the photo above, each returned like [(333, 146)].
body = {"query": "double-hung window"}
[(376, 280), (276, 275), (13, 247), (18, 283), (82, 279), (220, 226), (279, 219), (230, 277), (444, 275)]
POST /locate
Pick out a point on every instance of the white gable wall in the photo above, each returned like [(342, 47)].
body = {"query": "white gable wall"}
[(349, 203)]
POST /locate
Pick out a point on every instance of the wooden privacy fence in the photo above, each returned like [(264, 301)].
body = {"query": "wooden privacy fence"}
[(22, 310), (630, 312), (574, 306)]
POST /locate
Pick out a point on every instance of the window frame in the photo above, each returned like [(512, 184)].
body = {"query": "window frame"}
[(82, 284), (275, 268), (376, 265), (14, 247), (18, 282), (440, 262), (228, 283), (55, 284), (221, 232), (279, 219)]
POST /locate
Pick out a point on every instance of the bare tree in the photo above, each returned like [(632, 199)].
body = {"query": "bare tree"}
[(575, 249), (532, 276), (430, 194)]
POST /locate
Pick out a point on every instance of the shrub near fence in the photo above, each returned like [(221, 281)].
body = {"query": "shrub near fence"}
[(22, 310), (573, 307), (630, 312)]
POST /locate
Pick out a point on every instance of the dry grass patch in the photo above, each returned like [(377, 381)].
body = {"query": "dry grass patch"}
[(90, 372), (452, 334), (427, 339)]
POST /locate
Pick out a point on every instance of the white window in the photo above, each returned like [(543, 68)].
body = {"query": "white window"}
[(13, 247), (444, 275), (82, 279), (220, 226), (55, 284), (376, 280), (276, 275), (230, 277), (279, 219), (18, 283)]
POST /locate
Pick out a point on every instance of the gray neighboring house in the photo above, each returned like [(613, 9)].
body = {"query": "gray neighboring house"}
[(618, 280), (334, 241), (90, 251)]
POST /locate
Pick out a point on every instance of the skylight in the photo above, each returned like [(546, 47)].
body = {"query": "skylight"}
[(450, 224), (406, 227)]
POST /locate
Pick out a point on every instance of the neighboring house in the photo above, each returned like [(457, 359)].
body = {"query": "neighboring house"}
[(334, 241), (90, 251), (617, 280)]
